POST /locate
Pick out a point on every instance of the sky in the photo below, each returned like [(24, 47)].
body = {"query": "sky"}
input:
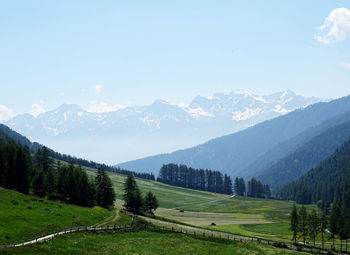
[(104, 55)]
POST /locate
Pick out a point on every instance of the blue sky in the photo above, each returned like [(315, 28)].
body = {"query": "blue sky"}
[(101, 54)]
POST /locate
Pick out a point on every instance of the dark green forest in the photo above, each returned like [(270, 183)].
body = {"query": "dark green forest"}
[(323, 184), (254, 188), (36, 173), (8, 134), (199, 179)]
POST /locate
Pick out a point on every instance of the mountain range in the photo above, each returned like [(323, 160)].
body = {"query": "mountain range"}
[(140, 131), (253, 151)]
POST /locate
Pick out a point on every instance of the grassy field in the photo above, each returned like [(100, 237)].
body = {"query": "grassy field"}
[(241, 215), (143, 243), (23, 217)]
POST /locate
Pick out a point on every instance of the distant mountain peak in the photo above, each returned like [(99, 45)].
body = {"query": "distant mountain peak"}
[(173, 126)]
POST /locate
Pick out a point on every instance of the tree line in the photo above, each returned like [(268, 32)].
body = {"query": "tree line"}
[(309, 225), (254, 188), (199, 179), (92, 164), (38, 175)]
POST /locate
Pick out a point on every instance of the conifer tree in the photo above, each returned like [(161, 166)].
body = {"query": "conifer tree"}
[(21, 169), (133, 200), (333, 220), (294, 223), (38, 184), (322, 226), (105, 194), (313, 225), (303, 222), (50, 183), (151, 202)]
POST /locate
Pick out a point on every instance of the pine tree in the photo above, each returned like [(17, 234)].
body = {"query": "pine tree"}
[(38, 184), (105, 194), (3, 160), (242, 187), (303, 222), (50, 183), (333, 220), (21, 169), (151, 202), (294, 223), (227, 185), (313, 225), (133, 200), (323, 226)]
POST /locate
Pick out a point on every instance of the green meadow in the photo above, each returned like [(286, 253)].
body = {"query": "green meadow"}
[(24, 218), (146, 243), (240, 215)]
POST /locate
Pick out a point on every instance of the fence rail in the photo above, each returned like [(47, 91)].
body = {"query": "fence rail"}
[(198, 233), (113, 228)]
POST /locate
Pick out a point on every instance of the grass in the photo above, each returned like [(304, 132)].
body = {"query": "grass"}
[(240, 215), (25, 217), (265, 218), (143, 243), (206, 218)]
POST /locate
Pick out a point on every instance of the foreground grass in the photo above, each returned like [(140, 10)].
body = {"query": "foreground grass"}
[(143, 243), (22, 217)]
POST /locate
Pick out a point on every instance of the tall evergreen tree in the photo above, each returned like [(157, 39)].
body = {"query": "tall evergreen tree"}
[(323, 226), (105, 193), (133, 201), (313, 225), (294, 223), (151, 202), (333, 220), (21, 170), (303, 222)]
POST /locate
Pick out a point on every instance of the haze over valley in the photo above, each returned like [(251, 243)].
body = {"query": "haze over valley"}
[(139, 131)]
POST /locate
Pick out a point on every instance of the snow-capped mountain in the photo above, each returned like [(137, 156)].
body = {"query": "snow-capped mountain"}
[(140, 131)]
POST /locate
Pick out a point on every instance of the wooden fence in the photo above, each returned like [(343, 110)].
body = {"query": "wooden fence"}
[(114, 228), (201, 233)]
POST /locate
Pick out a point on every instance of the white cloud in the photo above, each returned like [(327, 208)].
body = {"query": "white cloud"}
[(347, 65), (104, 107), (37, 109), (97, 88), (335, 27), (5, 113)]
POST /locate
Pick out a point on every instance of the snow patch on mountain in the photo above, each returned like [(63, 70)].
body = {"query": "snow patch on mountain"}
[(171, 126)]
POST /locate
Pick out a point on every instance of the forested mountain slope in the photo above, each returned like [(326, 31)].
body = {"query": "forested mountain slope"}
[(306, 157), (325, 182), (233, 153), (284, 149)]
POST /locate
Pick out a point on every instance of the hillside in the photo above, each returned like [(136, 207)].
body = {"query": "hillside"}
[(277, 153), (324, 182), (233, 153), (25, 217), (306, 156)]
